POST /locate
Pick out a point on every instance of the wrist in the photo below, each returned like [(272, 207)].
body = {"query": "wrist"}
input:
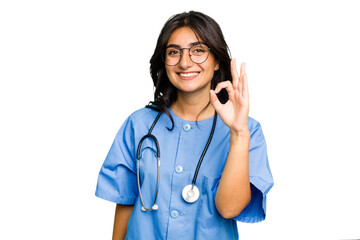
[(243, 133)]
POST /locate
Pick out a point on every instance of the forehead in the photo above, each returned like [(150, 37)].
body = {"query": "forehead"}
[(183, 37)]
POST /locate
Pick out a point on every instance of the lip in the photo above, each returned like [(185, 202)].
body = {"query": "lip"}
[(191, 75)]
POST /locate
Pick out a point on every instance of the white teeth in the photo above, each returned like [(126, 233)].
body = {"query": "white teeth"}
[(188, 74)]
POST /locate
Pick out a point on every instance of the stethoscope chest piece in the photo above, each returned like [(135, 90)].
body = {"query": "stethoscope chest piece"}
[(190, 193)]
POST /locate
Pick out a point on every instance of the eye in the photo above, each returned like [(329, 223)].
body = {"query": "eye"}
[(172, 52), (198, 50)]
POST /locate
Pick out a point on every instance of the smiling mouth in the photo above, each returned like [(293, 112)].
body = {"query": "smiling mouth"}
[(191, 74)]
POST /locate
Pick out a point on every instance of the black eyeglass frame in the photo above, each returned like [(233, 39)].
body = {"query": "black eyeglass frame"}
[(181, 54)]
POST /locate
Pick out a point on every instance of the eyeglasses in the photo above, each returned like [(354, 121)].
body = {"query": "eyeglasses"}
[(197, 53)]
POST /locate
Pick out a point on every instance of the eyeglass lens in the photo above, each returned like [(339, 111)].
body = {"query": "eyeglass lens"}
[(198, 54)]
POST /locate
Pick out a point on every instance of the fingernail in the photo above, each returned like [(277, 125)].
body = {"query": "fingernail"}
[(216, 90)]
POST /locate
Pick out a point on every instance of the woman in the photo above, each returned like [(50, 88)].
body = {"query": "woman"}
[(214, 167)]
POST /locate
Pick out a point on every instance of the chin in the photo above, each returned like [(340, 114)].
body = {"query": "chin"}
[(194, 89)]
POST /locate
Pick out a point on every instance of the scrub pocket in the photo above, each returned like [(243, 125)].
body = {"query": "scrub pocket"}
[(210, 224), (208, 216)]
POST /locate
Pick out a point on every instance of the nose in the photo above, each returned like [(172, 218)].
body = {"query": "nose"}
[(185, 60)]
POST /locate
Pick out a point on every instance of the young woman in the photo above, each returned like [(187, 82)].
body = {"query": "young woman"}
[(214, 168)]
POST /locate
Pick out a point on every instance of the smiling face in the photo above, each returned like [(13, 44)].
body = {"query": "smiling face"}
[(187, 76)]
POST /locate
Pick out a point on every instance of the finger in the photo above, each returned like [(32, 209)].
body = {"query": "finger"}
[(242, 72), (234, 73), (228, 86), (245, 92), (242, 69), (215, 101)]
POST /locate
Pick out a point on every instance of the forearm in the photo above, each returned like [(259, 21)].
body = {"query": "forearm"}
[(234, 192), (122, 215)]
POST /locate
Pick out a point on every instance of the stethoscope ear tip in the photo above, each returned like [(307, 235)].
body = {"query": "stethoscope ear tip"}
[(154, 207)]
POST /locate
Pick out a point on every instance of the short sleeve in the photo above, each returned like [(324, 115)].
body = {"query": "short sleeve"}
[(117, 177), (260, 178)]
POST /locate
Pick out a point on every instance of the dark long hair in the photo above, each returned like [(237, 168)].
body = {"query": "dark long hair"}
[(206, 28)]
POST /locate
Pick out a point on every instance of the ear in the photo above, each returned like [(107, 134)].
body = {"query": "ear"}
[(216, 67)]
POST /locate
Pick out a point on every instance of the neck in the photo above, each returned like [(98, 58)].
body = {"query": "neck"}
[(193, 107)]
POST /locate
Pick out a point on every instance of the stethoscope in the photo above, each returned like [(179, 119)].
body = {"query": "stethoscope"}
[(190, 193)]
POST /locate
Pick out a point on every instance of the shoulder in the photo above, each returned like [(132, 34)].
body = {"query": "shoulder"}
[(253, 125), (257, 137), (141, 119), (142, 114)]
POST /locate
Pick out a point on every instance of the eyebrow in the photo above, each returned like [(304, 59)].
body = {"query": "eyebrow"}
[(190, 45)]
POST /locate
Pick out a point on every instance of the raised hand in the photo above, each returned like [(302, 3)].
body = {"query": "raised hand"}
[(234, 112)]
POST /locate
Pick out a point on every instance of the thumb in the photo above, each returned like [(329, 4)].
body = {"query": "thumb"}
[(214, 100)]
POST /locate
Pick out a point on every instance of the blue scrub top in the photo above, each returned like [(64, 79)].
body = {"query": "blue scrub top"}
[(180, 150)]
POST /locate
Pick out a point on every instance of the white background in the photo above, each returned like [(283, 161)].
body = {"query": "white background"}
[(71, 71)]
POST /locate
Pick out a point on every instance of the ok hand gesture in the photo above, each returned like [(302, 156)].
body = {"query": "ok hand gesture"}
[(234, 112)]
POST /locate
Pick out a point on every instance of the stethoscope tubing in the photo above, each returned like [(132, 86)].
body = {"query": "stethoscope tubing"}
[(187, 189), (205, 149), (149, 135)]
